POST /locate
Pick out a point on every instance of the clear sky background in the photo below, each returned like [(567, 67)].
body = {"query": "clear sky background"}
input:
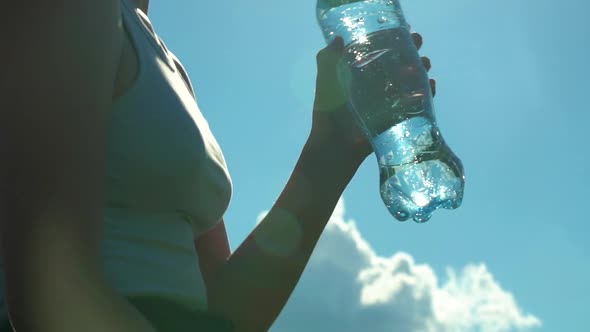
[(511, 102)]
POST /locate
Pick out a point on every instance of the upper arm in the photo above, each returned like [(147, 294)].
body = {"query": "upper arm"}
[(55, 97), (213, 250)]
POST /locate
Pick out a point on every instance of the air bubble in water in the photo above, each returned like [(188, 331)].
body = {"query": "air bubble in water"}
[(402, 215), (422, 217)]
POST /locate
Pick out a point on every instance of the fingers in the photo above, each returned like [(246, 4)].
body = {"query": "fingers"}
[(417, 40), (426, 62), (433, 86), (327, 58)]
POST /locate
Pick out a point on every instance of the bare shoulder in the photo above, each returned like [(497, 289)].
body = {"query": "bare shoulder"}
[(55, 97), (62, 61)]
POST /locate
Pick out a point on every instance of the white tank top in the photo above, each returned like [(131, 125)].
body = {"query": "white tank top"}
[(167, 180)]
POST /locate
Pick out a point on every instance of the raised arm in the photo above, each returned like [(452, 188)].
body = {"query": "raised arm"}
[(253, 286), (59, 65), (255, 283)]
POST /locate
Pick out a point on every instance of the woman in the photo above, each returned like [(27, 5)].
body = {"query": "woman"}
[(114, 188)]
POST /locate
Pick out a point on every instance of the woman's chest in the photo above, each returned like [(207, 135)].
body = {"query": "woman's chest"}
[(162, 154)]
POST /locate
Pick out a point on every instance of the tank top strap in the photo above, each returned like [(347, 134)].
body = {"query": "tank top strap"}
[(145, 38)]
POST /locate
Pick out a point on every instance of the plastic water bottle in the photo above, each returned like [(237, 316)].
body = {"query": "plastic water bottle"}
[(389, 94)]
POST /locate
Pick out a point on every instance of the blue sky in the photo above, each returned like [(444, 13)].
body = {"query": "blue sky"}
[(511, 102)]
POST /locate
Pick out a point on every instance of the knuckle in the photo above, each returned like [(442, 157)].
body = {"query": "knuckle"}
[(321, 54)]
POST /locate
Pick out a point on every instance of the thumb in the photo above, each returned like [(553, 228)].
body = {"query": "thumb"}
[(329, 93), (336, 43), (328, 57)]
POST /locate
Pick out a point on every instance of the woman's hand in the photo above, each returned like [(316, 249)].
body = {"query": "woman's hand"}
[(333, 126)]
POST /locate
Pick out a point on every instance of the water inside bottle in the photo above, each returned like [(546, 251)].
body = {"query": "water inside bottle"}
[(418, 172), (353, 19)]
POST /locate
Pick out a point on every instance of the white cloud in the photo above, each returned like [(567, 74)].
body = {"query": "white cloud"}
[(347, 287)]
